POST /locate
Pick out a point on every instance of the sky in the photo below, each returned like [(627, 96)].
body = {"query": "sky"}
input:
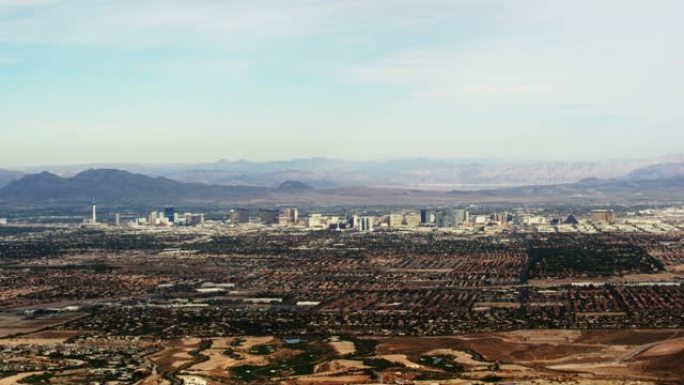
[(170, 81)]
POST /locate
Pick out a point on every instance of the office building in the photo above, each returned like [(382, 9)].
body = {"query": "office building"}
[(170, 214), (426, 217)]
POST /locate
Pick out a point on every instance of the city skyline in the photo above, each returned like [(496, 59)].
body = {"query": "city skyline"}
[(177, 82)]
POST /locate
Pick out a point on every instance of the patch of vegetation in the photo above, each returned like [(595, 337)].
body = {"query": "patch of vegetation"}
[(302, 363), (476, 356), (249, 372), (364, 347), (231, 353), (570, 256), (381, 364), (6, 374), (97, 363), (445, 363), (263, 350)]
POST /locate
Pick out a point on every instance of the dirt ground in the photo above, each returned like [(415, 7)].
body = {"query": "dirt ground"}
[(400, 359), (14, 380), (338, 366), (593, 357), (174, 354), (646, 355), (343, 347)]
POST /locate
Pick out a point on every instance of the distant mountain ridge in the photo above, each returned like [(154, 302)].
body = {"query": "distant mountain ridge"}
[(7, 176), (657, 171), (115, 185), (409, 173), (611, 189), (294, 185), (119, 188)]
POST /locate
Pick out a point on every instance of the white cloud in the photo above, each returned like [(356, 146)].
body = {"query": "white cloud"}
[(569, 57)]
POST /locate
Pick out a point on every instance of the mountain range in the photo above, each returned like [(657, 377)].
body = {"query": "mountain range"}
[(419, 173), (116, 186), (120, 188), (7, 176)]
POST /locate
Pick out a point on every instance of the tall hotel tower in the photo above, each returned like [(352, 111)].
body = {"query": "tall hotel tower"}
[(94, 212)]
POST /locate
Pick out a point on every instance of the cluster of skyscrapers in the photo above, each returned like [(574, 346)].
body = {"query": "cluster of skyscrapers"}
[(449, 217)]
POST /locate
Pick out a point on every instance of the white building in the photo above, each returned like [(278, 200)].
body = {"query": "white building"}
[(314, 220), (366, 223), (354, 222)]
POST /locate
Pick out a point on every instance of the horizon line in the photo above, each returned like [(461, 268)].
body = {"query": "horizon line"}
[(500, 160)]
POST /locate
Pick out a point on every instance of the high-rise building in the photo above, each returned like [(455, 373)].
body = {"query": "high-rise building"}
[(153, 218), (500, 217), (395, 220), (232, 217), (288, 216), (170, 214), (117, 219), (366, 223), (480, 219), (194, 219), (412, 220), (242, 215), (268, 216), (603, 216), (354, 222), (314, 220), (292, 214), (451, 217), (425, 217)]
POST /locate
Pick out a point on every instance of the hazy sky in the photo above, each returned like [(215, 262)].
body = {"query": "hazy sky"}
[(85, 81)]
